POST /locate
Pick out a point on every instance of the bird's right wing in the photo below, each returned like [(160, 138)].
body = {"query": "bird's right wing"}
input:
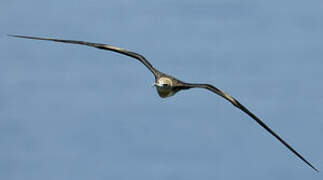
[(237, 104), (100, 46)]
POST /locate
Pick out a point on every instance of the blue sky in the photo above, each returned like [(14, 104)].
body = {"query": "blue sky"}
[(73, 112)]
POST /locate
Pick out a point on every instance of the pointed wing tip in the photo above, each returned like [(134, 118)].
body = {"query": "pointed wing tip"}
[(14, 35), (315, 169)]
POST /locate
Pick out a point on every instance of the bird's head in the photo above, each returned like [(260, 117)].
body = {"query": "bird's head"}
[(164, 86), (163, 82)]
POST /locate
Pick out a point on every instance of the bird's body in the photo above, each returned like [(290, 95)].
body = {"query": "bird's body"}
[(164, 87), (167, 85)]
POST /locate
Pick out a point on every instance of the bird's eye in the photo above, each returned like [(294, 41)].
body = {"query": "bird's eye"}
[(165, 85)]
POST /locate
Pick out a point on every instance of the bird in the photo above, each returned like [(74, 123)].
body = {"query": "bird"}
[(167, 85)]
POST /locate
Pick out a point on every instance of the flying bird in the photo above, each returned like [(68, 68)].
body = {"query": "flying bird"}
[(167, 85)]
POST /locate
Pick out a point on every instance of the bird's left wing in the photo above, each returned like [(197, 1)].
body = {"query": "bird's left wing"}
[(137, 56), (237, 104)]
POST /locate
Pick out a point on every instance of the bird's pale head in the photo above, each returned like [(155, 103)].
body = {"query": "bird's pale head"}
[(164, 82), (164, 86)]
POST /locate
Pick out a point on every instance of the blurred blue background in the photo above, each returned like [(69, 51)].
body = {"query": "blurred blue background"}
[(74, 112)]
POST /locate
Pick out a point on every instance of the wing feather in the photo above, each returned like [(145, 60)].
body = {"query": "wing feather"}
[(237, 104), (137, 56)]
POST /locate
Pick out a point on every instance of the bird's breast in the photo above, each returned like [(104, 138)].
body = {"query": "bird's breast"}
[(165, 92)]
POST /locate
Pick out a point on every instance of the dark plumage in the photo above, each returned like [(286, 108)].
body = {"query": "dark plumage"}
[(168, 86)]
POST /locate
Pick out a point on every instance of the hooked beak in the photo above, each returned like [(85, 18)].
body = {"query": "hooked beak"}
[(155, 84)]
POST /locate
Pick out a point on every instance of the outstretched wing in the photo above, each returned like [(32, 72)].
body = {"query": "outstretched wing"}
[(237, 104), (100, 46)]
